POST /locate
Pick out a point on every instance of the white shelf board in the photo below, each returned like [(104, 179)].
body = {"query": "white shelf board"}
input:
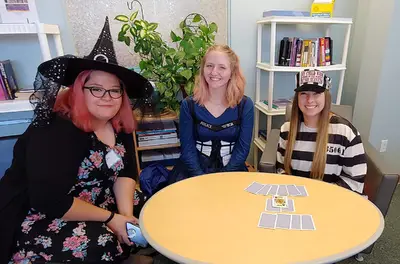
[(11, 29), (9, 106), (304, 20), (264, 108), (268, 67), (260, 143)]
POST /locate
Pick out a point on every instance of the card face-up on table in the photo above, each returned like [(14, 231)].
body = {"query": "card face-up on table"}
[(290, 206), (254, 187), (270, 208), (267, 220)]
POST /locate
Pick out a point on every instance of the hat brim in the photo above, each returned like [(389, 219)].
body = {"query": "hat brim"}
[(310, 88), (136, 85)]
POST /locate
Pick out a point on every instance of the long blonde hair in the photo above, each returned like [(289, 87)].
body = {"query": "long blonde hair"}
[(319, 158), (235, 88)]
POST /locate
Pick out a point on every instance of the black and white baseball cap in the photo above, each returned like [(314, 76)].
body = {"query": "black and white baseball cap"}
[(312, 80)]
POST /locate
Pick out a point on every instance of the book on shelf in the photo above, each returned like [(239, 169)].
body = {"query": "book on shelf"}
[(298, 52), (156, 127), (165, 157), (157, 142), (147, 137), (161, 154), (8, 82)]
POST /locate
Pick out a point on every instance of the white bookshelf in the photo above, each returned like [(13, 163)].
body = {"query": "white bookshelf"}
[(272, 69), (42, 31)]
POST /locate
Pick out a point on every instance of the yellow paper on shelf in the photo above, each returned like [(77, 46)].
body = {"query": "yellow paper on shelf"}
[(322, 8)]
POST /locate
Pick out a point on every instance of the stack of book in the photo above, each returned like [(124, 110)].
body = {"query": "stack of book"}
[(279, 104), (297, 52), (157, 133), (8, 83)]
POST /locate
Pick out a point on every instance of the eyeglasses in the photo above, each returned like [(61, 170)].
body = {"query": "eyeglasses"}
[(101, 92)]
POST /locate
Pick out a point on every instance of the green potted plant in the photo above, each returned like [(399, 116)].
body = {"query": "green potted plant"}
[(172, 69)]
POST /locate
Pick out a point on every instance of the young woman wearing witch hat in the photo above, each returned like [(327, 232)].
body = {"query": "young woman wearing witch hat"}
[(71, 187)]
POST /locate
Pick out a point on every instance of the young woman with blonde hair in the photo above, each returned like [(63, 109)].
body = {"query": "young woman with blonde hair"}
[(317, 143), (216, 124)]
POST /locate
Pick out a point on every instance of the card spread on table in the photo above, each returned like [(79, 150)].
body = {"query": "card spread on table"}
[(302, 189), (290, 206), (292, 190), (295, 223), (264, 190), (283, 221), (282, 190), (270, 208), (307, 222), (254, 187), (273, 190), (280, 201), (267, 220)]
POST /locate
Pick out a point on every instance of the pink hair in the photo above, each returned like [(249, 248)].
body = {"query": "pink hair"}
[(235, 88), (71, 103)]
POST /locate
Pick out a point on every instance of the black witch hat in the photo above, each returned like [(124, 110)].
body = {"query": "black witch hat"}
[(63, 70)]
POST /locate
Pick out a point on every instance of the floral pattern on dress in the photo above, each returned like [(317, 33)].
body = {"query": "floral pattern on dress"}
[(78, 243), (31, 218), (56, 225), (103, 239)]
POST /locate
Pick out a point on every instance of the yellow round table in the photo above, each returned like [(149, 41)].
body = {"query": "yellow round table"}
[(211, 219)]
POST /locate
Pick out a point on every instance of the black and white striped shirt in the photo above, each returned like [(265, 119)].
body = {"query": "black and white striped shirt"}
[(345, 162)]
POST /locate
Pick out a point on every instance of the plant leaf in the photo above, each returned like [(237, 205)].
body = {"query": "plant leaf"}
[(213, 27), (125, 28), (122, 18), (186, 73), (142, 65), (182, 24), (142, 33), (170, 52), (133, 31), (152, 26), (133, 16), (198, 43), (174, 37), (180, 55), (127, 41), (197, 18), (204, 29), (121, 36)]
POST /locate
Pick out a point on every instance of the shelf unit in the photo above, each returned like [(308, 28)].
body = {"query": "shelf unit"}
[(41, 30), (272, 69), (170, 116)]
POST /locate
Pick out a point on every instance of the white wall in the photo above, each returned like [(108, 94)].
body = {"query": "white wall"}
[(379, 90)]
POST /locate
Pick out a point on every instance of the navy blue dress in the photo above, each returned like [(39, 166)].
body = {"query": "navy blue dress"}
[(213, 144)]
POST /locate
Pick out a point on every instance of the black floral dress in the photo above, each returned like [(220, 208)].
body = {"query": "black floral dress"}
[(42, 239)]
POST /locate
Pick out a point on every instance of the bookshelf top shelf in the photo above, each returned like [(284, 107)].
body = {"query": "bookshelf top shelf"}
[(304, 20), (12, 29), (268, 67)]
